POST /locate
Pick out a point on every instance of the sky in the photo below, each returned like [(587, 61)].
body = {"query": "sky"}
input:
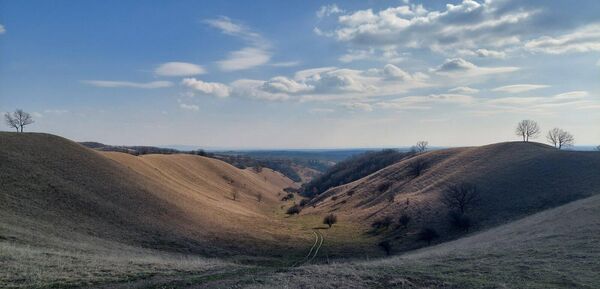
[(301, 74)]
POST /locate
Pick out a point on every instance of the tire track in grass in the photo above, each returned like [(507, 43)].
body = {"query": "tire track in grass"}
[(318, 247), (303, 260)]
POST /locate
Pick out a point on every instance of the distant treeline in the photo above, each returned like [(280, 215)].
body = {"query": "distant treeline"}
[(141, 150), (352, 169), (282, 165)]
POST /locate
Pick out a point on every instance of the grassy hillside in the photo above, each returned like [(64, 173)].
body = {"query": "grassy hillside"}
[(71, 215), (512, 179), (352, 169), (556, 248)]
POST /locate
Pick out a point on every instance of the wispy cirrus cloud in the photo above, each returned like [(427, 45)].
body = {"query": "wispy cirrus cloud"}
[(582, 39), (179, 69), (256, 53), (518, 88), (128, 84), (461, 67)]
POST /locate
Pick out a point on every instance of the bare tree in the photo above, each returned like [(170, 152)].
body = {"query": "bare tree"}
[(330, 220), (527, 129), (421, 146), (18, 119), (460, 197), (560, 138)]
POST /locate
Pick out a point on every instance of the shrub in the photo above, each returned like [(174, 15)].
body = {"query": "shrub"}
[(386, 246), (428, 234), (417, 167), (404, 220), (295, 209), (383, 187), (259, 197), (289, 196), (330, 220), (303, 203), (383, 223)]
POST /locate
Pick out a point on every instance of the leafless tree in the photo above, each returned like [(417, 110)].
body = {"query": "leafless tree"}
[(560, 138), (421, 146), (18, 119), (460, 197), (527, 129)]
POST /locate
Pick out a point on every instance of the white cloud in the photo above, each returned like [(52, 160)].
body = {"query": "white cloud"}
[(255, 54), (327, 10), (128, 84), (212, 88), (572, 95), (518, 88), (179, 69), (245, 58), (425, 102), (464, 90), (462, 26), (354, 55), (541, 104), (191, 107), (490, 53), (286, 64), (582, 39), (2, 29), (251, 88), (285, 85), (461, 67)]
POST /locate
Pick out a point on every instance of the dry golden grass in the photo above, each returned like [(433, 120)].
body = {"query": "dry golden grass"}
[(557, 248), (514, 180), (73, 217)]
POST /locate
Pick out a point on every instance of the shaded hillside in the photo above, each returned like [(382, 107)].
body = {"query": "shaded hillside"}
[(512, 179), (353, 169), (54, 189), (556, 248)]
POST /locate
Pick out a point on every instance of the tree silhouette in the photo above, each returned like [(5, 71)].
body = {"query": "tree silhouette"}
[(527, 129), (18, 119)]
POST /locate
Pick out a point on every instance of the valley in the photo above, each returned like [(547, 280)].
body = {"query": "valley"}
[(74, 217)]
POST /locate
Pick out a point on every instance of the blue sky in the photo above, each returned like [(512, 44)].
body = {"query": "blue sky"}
[(301, 74)]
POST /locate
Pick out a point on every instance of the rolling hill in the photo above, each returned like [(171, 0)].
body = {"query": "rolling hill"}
[(513, 180), (65, 203), (556, 248), (71, 216)]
